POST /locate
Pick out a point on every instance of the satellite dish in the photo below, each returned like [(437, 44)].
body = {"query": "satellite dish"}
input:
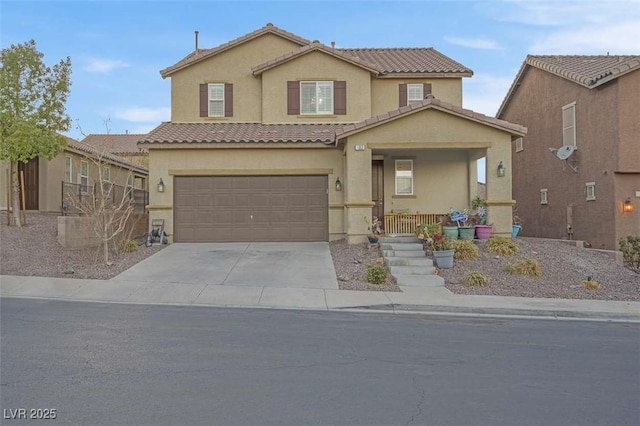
[(565, 152)]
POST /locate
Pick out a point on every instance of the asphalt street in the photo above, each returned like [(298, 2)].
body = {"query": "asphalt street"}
[(119, 364)]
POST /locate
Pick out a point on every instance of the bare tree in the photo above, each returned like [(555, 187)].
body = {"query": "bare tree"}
[(108, 210)]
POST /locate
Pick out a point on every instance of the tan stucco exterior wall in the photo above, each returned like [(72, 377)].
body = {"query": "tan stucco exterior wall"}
[(385, 92), (232, 66), (315, 66), (167, 163)]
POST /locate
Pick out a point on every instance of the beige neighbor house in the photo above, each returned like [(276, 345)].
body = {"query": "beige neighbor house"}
[(76, 165), (123, 145), (576, 174), (276, 138)]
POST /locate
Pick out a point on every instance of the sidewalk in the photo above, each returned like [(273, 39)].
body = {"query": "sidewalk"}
[(412, 299)]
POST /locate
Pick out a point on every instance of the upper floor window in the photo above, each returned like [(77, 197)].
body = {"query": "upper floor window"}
[(415, 93), (544, 196), (519, 145), (216, 100), (106, 174), (591, 191), (404, 177), (316, 97), (83, 176), (68, 169), (569, 124)]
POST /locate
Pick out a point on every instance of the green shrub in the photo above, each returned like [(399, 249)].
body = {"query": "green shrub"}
[(502, 246), (630, 248), (475, 278), (465, 250), (376, 274), (527, 266), (128, 246), (591, 285)]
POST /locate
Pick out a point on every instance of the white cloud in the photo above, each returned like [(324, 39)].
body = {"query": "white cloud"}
[(615, 38), (104, 66), (144, 115), (474, 43)]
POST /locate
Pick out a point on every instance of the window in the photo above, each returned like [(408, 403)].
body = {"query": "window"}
[(415, 93), (316, 97), (106, 174), (591, 191), (569, 124), (83, 176), (216, 100), (519, 145), (404, 177), (68, 169), (544, 196)]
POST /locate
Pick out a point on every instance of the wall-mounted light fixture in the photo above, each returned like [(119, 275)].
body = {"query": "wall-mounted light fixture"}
[(501, 170), (338, 185), (627, 207), (161, 186)]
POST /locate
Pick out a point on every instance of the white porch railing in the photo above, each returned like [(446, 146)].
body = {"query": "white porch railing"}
[(399, 224)]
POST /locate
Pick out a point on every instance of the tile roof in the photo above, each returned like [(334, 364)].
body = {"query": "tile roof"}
[(119, 144), (409, 60), (589, 71), (241, 133), (91, 152), (201, 54), (314, 47), (430, 102)]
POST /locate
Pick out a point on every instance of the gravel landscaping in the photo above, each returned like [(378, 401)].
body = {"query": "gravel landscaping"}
[(563, 266), (34, 250)]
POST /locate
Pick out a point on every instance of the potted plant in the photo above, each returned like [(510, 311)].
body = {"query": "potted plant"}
[(516, 223), (375, 229), (442, 249), (483, 231), (425, 232)]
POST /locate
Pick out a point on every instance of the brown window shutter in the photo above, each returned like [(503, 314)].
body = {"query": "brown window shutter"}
[(204, 100), (293, 97), (228, 100), (403, 95), (426, 90), (340, 97)]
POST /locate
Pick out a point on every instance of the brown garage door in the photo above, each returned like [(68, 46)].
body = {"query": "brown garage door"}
[(250, 208)]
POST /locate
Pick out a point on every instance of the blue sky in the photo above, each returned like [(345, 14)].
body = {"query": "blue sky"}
[(117, 48)]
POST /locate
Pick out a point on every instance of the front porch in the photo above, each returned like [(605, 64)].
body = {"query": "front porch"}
[(406, 224)]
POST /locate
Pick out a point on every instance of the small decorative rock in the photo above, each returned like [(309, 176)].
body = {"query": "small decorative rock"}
[(69, 271)]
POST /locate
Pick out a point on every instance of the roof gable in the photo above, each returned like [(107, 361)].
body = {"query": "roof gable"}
[(589, 71), (95, 154), (316, 47), (119, 144), (411, 60), (430, 103), (202, 54)]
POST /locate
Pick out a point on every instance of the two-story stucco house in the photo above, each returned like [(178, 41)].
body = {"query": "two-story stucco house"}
[(590, 105), (277, 138)]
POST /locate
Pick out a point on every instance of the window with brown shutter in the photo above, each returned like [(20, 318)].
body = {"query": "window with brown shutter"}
[(216, 100), (426, 90), (403, 95), (228, 100), (204, 100), (340, 97), (293, 97)]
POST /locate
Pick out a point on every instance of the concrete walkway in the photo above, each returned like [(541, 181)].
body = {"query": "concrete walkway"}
[(411, 299)]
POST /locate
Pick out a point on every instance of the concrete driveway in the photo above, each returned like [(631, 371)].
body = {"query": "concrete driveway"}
[(283, 265)]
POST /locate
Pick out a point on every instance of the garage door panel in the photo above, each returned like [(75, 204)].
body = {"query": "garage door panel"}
[(220, 208)]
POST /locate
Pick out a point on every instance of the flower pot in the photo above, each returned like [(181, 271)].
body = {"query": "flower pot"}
[(514, 230), (466, 232), (444, 258), (372, 239), (483, 232), (451, 232)]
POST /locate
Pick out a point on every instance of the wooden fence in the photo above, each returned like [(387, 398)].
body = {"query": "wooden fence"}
[(398, 224)]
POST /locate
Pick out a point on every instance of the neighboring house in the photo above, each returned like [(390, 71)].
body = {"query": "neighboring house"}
[(122, 145), (75, 165), (277, 138), (590, 106)]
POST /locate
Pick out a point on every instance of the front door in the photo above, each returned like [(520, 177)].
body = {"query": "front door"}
[(377, 189), (30, 170)]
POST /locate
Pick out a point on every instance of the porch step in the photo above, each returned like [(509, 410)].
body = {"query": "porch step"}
[(399, 239), (409, 261), (403, 253), (419, 280), (402, 246), (412, 270)]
